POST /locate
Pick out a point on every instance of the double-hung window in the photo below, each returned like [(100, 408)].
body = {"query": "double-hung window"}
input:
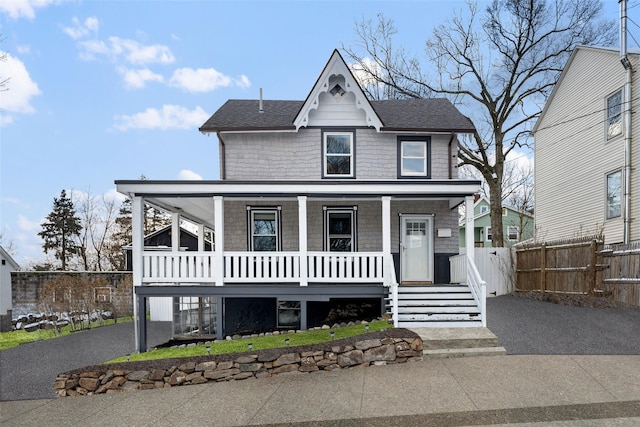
[(614, 115), (264, 228), (488, 234), (614, 194), (414, 156), (340, 229), (513, 232), (338, 154)]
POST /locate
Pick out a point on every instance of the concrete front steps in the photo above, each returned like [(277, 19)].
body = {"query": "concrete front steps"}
[(440, 343), (437, 307)]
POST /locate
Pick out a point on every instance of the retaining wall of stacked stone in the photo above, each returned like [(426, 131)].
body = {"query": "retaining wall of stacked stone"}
[(260, 364)]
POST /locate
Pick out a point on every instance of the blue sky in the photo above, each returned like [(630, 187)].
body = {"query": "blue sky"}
[(106, 90)]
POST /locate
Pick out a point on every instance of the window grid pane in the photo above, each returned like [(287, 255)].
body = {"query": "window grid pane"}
[(264, 230), (614, 193), (340, 231), (614, 115), (414, 158), (338, 154)]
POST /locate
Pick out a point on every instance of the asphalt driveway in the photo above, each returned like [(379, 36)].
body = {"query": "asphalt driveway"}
[(523, 326), (29, 370)]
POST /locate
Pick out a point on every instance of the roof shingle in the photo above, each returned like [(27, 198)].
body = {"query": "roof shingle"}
[(426, 115)]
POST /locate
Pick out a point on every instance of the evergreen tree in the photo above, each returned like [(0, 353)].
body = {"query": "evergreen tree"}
[(61, 229)]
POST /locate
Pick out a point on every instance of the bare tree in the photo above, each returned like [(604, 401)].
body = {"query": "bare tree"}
[(498, 68)]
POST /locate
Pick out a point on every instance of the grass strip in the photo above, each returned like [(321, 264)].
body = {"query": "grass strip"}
[(15, 338), (257, 343)]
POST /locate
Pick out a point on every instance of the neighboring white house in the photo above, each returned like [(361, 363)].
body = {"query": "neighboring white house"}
[(7, 265), (324, 206), (587, 151)]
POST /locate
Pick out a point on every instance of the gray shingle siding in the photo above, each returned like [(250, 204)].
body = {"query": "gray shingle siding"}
[(288, 155), (369, 223)]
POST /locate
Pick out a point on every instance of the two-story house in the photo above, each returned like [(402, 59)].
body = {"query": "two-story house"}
[(587, 167), (517, 225), (332, 201)]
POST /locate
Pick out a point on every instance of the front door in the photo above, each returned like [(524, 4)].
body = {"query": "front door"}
[(416, 249)]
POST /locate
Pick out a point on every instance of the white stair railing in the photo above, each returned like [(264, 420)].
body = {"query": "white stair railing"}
[(393, 293), (478, 288)]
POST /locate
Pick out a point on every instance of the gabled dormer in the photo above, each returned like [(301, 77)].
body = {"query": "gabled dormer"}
[(337, 100)]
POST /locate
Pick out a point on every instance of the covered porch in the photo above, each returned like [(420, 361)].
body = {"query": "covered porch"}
[(305, 265)]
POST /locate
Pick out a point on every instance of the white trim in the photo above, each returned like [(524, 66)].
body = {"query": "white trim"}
[(335, 66), (268, 188), (218, 212), (351, 154), (302, 239)]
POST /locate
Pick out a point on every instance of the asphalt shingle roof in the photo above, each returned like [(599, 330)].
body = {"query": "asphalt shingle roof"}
[(433, 115)]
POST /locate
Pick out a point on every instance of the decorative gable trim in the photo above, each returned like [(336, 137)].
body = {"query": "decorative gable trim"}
[(330, 85)]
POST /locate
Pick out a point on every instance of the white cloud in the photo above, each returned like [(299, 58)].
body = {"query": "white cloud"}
[(189, 175), (24, 8), (362, 71), (113, 194), (21, 89), (25, 224), (133, 51), (23, 49), (204, 79), (80, 30), (5, 120), (14, 201), (169, 117), (136, 79)]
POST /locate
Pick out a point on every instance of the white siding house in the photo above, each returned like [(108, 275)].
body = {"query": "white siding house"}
[(7, 265), (580, 143)]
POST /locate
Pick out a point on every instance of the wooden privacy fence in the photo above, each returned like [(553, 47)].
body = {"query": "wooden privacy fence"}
[(580, 266)]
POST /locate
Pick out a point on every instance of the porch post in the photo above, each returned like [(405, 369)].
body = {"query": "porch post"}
[(469, 235), (386, 239), (219, 318), (218, 255), (137, 247), (142, 337), (175, 232), (201, 238), (302, 239)]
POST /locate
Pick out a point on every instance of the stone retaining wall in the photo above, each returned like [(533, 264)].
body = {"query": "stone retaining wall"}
[(260, 364)]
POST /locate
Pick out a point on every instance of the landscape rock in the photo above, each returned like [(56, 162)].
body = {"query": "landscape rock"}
[(261, 364)]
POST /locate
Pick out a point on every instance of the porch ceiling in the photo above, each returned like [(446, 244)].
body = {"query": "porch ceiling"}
[(194, 199)]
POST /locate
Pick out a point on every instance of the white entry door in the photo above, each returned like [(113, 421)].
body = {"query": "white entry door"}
[(416, 249)]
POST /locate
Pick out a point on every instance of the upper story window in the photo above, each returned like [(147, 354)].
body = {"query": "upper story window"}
[(340, 229), (414, 157), (338, 154), (614, 194), (264, 228), (484, 209), (614, 115), (513, 232)]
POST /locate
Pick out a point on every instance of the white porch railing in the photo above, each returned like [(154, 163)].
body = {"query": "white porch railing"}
[(200, 267), (345, 266), (464, 270)]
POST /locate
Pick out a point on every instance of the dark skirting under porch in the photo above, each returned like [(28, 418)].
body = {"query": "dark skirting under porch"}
[(250, 308)]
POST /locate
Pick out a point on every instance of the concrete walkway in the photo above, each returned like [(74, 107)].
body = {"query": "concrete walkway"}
[(500, 390), (567, 366)]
